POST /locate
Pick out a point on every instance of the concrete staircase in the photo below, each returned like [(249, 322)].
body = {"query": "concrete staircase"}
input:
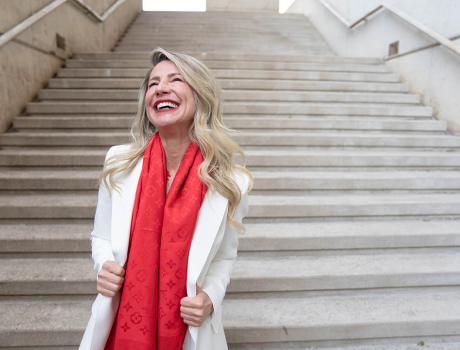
[(353, 232)]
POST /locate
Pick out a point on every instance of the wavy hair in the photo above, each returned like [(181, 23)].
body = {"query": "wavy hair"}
[(207, 130)]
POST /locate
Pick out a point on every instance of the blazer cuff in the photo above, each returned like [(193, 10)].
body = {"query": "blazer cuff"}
[(102, 252), (216, 301)]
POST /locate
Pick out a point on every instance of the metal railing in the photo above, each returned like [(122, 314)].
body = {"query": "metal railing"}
[(440, 40), (15, 31)]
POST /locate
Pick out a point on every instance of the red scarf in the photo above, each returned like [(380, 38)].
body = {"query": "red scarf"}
[(162, 228)]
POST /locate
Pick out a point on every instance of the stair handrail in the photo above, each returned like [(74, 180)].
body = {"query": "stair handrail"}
[(16, 30), (441, 40)]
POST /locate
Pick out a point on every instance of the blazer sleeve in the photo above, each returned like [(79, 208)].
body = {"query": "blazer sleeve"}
[(219, 272), (101, 245)]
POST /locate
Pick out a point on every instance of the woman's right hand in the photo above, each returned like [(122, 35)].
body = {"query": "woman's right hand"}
[(110, 278)]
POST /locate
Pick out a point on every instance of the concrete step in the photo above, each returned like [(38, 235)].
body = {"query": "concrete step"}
[(343, 235), (344, 272), (240, 56), (233, 107), (40, 206), (82, 205), (341, 317), (252, 30), (232, 28), (49, 179), (236, 23), (198, 32), (62, 179), (300, 66), (376, 205), (251, 27), (265, 49), (221, 45), (261, 49), (216, 29), (61, 322), (130, 83), (195, 34), (387, 159), (148, 16), (409, 345), (244, 138), (353, 180), (432, 344), (215, 39), (97, 121), (255, 274), (315, 238), (25, 237), (236, 74), (323, 108), (185, 30), (52, 157), (227, 21), (87, 157), (55, 322), (247, 24), (238, 95)]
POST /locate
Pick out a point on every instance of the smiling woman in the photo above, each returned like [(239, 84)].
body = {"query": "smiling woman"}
[(169, 99), (169, 211)]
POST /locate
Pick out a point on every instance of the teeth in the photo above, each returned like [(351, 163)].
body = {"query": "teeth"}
[(169, 104)]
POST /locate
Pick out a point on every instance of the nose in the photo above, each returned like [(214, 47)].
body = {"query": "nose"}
[(162, 87)]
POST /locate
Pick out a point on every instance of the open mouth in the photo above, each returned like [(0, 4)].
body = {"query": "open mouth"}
[(165, 106)]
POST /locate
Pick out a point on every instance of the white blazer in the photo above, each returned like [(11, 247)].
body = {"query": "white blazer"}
[(210, 262)]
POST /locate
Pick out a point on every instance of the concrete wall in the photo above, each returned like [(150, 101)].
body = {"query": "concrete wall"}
[(28, 62), (433, 73), (243, 5)]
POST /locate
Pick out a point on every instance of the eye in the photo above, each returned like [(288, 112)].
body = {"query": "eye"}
[(157, 83)]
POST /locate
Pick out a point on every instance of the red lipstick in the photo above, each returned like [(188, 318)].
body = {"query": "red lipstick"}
[(165, 110)]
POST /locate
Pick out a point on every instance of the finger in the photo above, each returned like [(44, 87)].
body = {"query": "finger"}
[(113, 267), (193, 302), (190, 317), (187, 302), (105, 292), (109, 286), (112, 278), (198, 289), (192, 321), (191, 311), (108, 276), (193, 324)]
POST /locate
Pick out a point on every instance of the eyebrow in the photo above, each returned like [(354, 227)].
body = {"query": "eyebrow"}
[(169, 76)]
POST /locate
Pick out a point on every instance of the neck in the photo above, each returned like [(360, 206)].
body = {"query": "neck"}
[(175, 147)]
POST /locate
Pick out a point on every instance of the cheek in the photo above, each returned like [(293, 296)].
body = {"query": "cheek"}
[(192, 105), (148, 97)]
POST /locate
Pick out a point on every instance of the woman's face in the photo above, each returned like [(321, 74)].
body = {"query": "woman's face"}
[(166, 84)]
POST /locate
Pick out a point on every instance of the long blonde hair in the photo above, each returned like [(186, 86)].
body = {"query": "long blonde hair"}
[(207, 130)]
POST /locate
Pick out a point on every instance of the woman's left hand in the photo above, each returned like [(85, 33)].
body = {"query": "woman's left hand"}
[(194, 310)]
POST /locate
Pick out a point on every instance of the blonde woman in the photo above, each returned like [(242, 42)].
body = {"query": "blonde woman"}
[(170, 207)]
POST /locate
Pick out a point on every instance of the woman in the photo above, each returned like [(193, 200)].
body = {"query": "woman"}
[(170, 207)]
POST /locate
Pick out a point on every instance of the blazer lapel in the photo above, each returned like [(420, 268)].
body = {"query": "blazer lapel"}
[(122, 210), (209, 219), (207, 225)]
